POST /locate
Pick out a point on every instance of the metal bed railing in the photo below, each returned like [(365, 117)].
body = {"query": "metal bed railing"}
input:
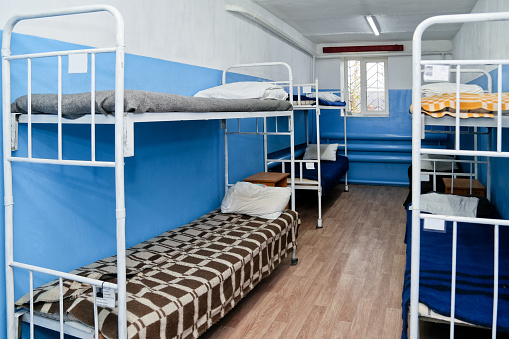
[(299, 104), (264, 130), (118, 162), (417, 151)]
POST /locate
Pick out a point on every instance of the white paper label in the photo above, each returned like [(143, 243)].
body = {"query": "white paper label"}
[(436, 73), (108, 298), (78, 63), (306, 89), (310, 165), (435, 225), (424, 177)]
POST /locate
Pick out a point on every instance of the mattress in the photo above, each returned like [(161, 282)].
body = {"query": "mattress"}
[(308, 101), (78, 105), (183, 281), (471, 105), (331, 172), (474, 284)]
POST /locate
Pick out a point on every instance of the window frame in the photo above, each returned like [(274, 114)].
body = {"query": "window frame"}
[(363, 61)]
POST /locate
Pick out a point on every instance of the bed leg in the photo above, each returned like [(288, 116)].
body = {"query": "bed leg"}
[(294, 260), (346, 188), (319, 224)]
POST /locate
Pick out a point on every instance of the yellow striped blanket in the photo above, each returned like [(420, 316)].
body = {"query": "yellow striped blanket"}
[(471, 105)]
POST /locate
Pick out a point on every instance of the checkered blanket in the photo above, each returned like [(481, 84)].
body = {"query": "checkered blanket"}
[(183, 281), (471, 105)]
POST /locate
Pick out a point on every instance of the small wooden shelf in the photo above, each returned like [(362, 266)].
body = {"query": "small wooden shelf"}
[(272, 179), (462, 186)]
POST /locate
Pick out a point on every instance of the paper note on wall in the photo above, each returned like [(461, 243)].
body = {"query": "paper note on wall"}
[(78, 63), (436, 73), (434, 225)]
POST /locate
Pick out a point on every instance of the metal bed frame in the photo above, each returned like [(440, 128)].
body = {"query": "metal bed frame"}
[(124, 146), (417, 129), (300, 182)]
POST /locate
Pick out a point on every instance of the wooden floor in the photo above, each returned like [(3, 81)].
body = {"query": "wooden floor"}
[(349, 278)]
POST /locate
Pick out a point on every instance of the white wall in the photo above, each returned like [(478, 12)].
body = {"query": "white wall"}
[(196, 32), (484, 40)]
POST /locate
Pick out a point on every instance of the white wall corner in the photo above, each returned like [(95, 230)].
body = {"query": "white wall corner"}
[(273, 23)]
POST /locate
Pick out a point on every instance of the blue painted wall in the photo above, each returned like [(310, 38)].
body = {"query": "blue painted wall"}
[(66, 215), (499, 172), (379, 148)]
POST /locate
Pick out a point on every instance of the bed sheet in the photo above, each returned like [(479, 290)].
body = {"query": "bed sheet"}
[(474, 284), (78, 105), (183, 281)]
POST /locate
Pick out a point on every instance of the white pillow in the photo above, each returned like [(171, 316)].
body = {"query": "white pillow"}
[(325, 96), (440, 166), (256, 200), (327, 152), (245, 90), (447, 87)]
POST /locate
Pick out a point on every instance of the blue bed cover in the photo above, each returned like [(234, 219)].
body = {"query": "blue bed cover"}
[(474, 282)]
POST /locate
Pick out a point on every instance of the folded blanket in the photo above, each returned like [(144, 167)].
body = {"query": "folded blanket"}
[(77, 105)]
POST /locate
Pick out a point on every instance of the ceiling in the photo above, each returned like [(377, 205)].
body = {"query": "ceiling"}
[(338, 21)]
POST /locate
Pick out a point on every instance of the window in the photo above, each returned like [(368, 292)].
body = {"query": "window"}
[(366, 81)]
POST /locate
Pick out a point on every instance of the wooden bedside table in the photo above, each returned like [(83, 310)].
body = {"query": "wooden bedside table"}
[(272, 179), (462, 186)]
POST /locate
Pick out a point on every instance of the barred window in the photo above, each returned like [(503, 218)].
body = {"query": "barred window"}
[(366, 81)]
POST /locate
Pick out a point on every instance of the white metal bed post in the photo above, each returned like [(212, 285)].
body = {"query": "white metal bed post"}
[(416, 182), (119, 175), (119, 157), (318, 157), (8, 199)]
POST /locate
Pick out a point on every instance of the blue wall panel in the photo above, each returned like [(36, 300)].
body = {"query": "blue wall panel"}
[(379, 148)]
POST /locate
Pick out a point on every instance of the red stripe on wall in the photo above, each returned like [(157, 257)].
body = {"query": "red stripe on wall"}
[(374, 48)]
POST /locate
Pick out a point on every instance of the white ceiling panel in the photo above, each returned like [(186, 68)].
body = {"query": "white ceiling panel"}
[(337, 21)]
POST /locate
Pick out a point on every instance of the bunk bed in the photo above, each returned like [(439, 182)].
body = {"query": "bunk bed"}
[(209, 264), (313, 171), (456, 264), (435, 168)]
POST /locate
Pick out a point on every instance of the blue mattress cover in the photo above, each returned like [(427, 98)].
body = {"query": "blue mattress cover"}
[(321, 102), (474, 282), (332, 172)]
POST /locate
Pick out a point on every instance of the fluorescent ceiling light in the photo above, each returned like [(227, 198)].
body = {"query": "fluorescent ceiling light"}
[(373, 24)]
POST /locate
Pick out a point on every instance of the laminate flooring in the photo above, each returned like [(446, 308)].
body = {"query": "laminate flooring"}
[(349, 278)]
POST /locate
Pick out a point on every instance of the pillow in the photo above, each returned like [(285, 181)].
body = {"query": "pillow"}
[(440, 166), (256, 200), (447, 87), (245, 90), (449, 204), (324, 96), (327, 152)]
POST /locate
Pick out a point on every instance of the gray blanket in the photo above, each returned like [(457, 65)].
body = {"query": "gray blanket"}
[(77, 105)]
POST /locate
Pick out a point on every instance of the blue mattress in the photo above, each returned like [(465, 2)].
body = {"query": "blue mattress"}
[(332, 172), (474, 282), (321, 102)]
